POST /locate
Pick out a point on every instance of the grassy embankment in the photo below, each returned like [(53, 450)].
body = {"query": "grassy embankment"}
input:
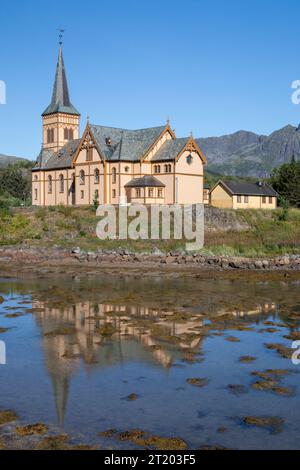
[(267, 234)]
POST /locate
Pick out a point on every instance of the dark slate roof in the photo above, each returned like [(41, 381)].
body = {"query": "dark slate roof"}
[(170, 149), (249, 189), (49, 160), (145, 181), (126, 145), (60, 102)]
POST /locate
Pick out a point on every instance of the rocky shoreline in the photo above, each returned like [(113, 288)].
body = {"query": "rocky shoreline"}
[(24, 258)]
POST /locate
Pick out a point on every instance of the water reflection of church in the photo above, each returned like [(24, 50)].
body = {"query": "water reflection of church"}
[(133, 340)]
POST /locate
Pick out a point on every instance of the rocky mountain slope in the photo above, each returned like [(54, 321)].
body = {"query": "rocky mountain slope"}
[(248, 154)]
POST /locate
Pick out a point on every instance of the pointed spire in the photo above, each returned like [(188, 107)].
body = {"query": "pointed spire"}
[(60, 102)]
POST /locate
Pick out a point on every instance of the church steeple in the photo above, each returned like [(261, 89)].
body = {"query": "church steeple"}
[(60, 118), (60, 102)]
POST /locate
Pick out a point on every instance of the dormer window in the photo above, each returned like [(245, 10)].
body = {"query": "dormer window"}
[(108, 141)]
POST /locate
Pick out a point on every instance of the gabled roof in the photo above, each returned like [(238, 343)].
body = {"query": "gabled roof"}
[(170, 150), (49, 160), (245, 188), (146, 181), (60, 102), (126, 145)]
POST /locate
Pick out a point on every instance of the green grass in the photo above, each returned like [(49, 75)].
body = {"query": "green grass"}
[(67, 227)]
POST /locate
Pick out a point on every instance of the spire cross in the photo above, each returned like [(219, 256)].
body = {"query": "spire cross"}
[(60, 36)]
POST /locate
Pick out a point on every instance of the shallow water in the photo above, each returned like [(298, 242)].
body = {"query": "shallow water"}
[(66, 370)]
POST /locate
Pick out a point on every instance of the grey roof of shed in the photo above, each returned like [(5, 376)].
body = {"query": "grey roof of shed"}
[(126, 145), (170, 149), (241, 188), (49, 160), (146, 181), (60, 102)]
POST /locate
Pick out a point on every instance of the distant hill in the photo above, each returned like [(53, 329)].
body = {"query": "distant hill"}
[(7, 160), (248, 154)]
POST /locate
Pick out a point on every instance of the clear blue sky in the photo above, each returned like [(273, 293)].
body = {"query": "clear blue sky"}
[(214, 67)]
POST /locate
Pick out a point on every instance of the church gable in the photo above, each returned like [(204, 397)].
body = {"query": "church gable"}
[(192, 148), (87, 150), (190, 159)]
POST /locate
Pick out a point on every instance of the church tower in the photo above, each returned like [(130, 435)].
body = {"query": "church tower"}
[(60, 118)]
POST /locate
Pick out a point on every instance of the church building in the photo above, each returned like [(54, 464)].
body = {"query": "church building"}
[(111, 165)]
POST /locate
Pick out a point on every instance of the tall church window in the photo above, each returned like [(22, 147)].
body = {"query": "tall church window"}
[(50, 136), (81, 177), (68, 134), (49, 184), (114, 175), (89, 154), (97, 176), (61, 183)]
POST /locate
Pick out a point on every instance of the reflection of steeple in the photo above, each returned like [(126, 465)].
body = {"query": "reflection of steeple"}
[(61, 393)]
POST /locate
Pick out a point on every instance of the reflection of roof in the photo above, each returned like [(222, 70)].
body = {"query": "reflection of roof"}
[(248, 189), (145, 181)]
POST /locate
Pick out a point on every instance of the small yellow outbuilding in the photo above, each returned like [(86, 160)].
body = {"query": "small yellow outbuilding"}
[(243, 195)]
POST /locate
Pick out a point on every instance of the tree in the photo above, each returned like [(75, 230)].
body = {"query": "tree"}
[(15, 181), (286, 181)]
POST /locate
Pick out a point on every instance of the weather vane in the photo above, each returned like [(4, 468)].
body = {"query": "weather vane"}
[(61, 35)]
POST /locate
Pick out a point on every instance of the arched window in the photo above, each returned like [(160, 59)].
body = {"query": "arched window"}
[(49, 184), (71, 135), (114, 175), (66, 133), (81, 177), (61, 183), (168, 168), (35, 177), (156, 168), (97, 176), (126, 169)]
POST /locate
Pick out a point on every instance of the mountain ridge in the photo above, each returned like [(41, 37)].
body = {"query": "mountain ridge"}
[(246, 153)]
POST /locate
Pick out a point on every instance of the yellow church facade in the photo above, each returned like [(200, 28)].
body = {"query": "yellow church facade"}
[(111, 165)]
